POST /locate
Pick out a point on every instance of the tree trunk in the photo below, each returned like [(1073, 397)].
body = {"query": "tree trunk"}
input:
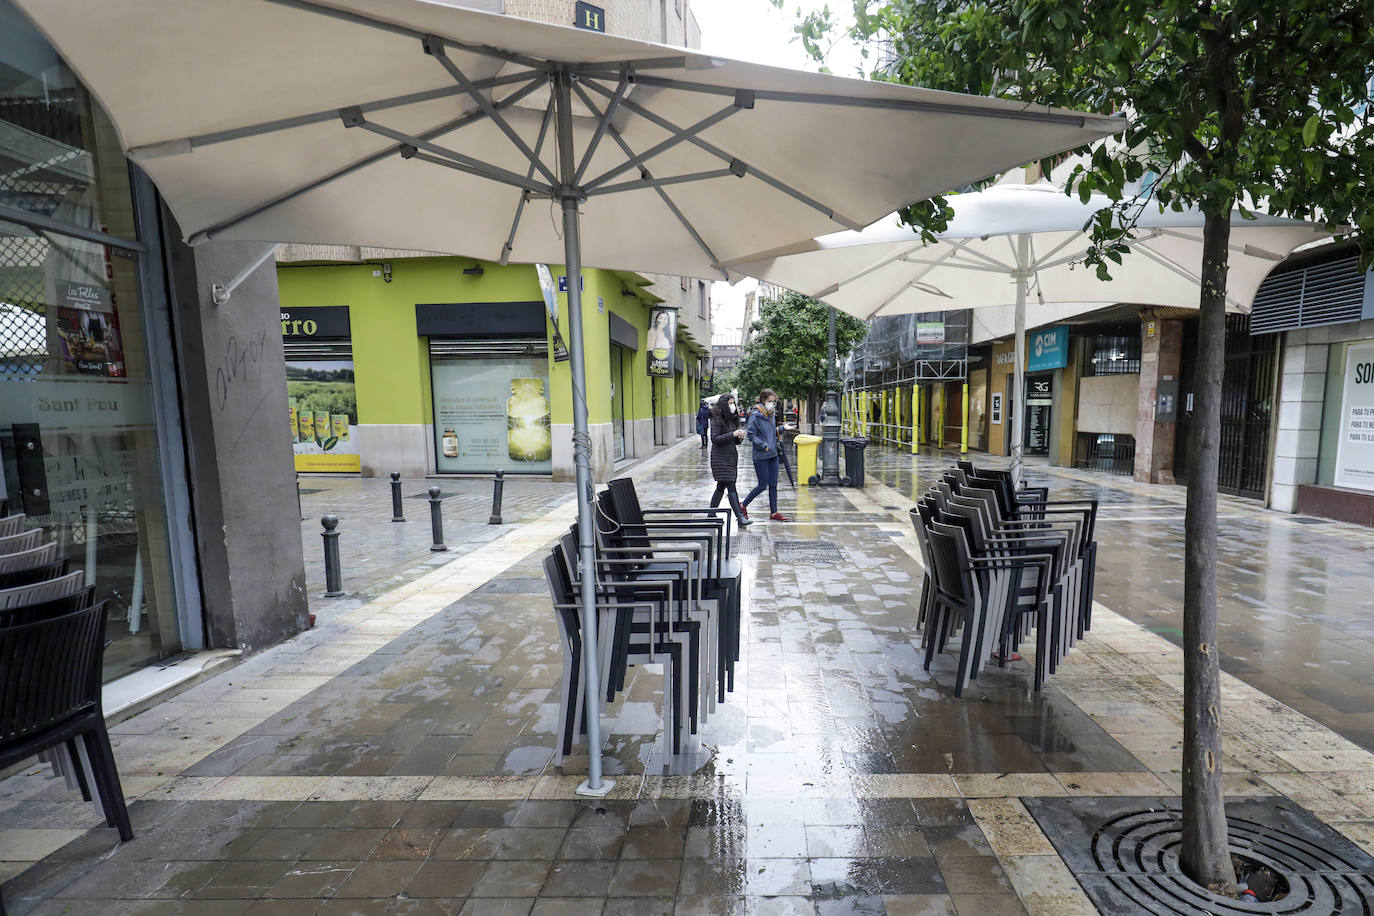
[(1205, 853)]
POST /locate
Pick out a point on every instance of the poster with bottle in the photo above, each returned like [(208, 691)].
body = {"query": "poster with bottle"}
[(322, 406), (492, 414), (662, 342)]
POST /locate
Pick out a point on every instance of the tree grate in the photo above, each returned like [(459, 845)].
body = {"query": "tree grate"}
[(1132, 865), (808, 553)]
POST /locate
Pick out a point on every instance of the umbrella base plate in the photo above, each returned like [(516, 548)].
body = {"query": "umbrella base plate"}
[(600, 792)]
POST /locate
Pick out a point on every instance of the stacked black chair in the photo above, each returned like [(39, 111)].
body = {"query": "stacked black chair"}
[(999, 563), (666, 592), (52, 641)]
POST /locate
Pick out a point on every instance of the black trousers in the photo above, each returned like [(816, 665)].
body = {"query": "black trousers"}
[(724, 488)]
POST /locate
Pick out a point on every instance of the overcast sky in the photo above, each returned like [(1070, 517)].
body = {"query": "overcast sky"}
[(755, 30)]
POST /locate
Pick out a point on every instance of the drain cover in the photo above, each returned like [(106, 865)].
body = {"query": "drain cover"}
[(750, 545), (515, 585), (813, 553), (1131, 863), (1308, 520)]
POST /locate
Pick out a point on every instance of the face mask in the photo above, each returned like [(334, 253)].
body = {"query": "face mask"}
[(768, 407), (732, 408)]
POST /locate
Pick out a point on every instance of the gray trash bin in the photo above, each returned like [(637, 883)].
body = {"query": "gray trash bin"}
[(854, 460)]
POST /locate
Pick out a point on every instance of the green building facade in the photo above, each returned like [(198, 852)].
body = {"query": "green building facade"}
[(445, 365)]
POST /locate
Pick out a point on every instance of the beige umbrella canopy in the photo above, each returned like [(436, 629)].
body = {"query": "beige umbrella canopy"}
[(1011, 241), (421, 125)]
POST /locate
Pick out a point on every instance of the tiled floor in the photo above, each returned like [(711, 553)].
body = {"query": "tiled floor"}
[(397, 759)]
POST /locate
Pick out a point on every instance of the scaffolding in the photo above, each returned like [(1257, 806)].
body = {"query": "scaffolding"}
[(904, 362)]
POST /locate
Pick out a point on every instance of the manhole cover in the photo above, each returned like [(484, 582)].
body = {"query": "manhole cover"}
[(814, 553), (1131, 865), (1307, 520), (747, 545)]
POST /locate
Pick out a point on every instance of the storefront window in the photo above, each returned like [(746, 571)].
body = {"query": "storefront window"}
[(78, 436), (492, 414), (1346, 456), (77, 431)]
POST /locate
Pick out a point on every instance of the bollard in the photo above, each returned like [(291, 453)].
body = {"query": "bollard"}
[(333, 576), (397, 513), (497, 486), (436, 519), (299, 510)]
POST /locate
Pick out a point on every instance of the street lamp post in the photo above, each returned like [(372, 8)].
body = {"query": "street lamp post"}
[(830, 417)]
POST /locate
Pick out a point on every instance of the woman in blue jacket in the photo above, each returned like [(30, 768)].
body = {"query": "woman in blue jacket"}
[(762, 432)]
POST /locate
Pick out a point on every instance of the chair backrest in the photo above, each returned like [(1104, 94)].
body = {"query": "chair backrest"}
[(622, 504), (60, 587), (11, 524), (561, 589), (27, 559), (53, 607), (41, 573), (24, 540), (951, 567), (52, 671)]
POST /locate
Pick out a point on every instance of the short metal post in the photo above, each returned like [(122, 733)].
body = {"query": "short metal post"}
[(299, 510), (333, 576), (497, 486), (436, 520), (397, 511)]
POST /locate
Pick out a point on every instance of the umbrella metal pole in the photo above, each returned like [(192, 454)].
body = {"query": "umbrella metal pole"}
[(570, 197), (1018, 404)]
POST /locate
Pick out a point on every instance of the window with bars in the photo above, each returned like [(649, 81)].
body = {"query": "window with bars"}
[(1112, 355)]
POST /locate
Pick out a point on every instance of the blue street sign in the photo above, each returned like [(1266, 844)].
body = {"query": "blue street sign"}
[(1048, 349)]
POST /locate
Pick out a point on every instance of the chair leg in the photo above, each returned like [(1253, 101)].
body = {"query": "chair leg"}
[(97, 743), (1042, 625)]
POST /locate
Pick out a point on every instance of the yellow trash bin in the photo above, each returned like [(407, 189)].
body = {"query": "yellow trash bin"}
[(806, 458)]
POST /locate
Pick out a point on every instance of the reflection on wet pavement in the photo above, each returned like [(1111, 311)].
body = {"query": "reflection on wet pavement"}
[(398, 758), (1294, 594)]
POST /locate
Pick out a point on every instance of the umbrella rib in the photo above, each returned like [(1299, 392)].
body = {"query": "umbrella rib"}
[(1178, 269), (186, 144), (884, 262), (622, 87), (509, 247), (411, 145), (306, 6), (716, 151), (434, 47), (849, 101), (445, 128), (742, 102), (663, 195), (661, 182)]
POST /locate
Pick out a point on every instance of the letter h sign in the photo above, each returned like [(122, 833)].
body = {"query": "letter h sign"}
[(586, 16)]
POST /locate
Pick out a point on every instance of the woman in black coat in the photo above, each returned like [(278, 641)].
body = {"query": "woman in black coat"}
[(726, 435)]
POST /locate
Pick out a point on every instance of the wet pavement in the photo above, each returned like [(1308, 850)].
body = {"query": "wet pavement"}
[(398, 758), (1295, 594)]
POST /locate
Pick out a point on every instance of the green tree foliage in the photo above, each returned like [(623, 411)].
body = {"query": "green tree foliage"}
[(718, 382), (1250, 104), (787, 352)]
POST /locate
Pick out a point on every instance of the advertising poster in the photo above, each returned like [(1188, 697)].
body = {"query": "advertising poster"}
[(930, 332), (492, 415), (88, 328), (662, 342), (1355, 448), (323, 407)]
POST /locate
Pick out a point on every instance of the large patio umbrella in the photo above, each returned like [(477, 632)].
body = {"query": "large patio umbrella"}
[(420, 125), (1010, 239)]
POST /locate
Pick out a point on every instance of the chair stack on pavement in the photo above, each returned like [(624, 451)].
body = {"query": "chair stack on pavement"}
[(1001, 562), (52, 641), (667, 592)]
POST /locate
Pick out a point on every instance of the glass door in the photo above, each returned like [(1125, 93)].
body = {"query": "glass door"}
[(618, 401)]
